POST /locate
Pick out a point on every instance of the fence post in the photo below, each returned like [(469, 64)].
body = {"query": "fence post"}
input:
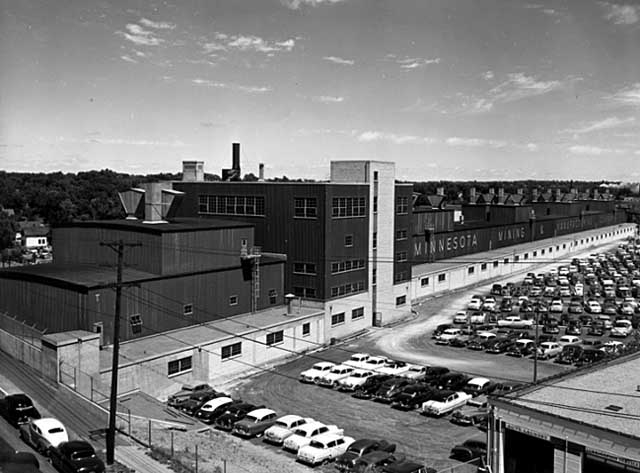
[(75, 378), (196, 458), (129, 415), (224, 465), (91, 378), (172, 444), (149, 433)]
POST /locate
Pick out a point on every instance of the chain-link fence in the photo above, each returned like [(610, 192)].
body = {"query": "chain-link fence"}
[(21, 340)]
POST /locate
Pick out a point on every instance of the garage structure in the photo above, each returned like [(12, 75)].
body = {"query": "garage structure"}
[(587, 421)]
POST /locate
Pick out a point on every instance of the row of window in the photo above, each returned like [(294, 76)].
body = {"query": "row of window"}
[(348, 288), (231, 205), (337, 319), (346, 266), (348, 207)]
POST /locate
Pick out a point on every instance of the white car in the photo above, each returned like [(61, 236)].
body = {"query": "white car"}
[(621, 328), (489, 304), (514, 321), (445, 402), (460, 317), (283, 428), (334, 375), (356, 379), (475, 303), (627, 309), (414, 372), (549, 350), (478, 318), (316, 372), (208, 411), (324, 448), (606, 320), (304, 434), (42, 434), (449, 334), (394, 368), (477, 386), (563, 271), (374, 363), (358, 360), (556, 306), (594, 307), (578, 289), (569, 340)]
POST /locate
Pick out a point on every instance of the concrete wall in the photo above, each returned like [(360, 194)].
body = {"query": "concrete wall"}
[(346, 305)]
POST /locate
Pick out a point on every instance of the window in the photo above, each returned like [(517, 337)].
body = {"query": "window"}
[(564, 246), (402, 205), (304, 268), (231, 205), (233, 300), (375, 240), (307, 292), (516, 258), (275, 337), (136, 323), (357, 313), (348, 288), (550, 249), (180, 366), (348, 207), (424, 282), (526, 256), (535, 253), (375, 177), (471, 269), (337, 319), (402, 276), (346, 266), (187, 309), (557, 247), (542, 251), (374, 277), (306, 329), (273, 297), (442, 277), (483, 267), (375, 203), (401, 256), (401, 300), (506, 261), (305, 207), (348, 240), (229, 351), (401, 234)]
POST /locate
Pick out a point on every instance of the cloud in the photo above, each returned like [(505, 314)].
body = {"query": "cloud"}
[(542, 9), (239, 88), (252, 43), (412, 62), (628, 96), (519, 86), (607, 123), (592, 150), (488, 75), (475, 142), (138, 35), (327, 99), (128, 59), (124, 141), (339, 60), (370, 136), (295, 4), (621, 14), (531, 147), (159, 25)]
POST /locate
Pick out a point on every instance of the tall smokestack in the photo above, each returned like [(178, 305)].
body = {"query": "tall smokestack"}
[(261, 172), (236, 157)]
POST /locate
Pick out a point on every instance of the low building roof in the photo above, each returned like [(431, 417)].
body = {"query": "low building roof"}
[(174, 226)]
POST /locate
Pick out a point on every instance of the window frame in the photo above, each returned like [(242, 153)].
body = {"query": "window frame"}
[(231, 351), (401, 300), (337, 319), (233, 300), (277, 338), (309, 207), (180, 369)]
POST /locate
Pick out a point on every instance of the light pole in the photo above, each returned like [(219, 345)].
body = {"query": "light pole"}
[(535, 351)]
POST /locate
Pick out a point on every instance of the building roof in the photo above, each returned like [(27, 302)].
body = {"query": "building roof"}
[(603, 396), (174, 226), (35, 231)]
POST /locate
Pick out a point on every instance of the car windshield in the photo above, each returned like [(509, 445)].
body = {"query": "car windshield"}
[(252, 419), (82, 455), (316, 444)]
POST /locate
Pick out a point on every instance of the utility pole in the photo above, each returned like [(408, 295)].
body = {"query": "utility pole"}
[(535, 351), (118, 247)]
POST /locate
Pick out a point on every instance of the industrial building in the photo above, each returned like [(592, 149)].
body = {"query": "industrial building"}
[(584, 422)]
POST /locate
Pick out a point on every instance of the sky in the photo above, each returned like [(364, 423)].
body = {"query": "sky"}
[(446, 89)]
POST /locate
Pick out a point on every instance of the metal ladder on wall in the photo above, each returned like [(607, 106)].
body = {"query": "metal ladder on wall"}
[(256, 253)]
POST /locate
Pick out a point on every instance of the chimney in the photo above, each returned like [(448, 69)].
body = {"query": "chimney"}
[(192, 171), (440, 191), (472, 195), (289, 298), (236, 157), (261, 172)]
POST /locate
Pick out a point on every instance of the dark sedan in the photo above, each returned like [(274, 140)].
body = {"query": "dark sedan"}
[(390, 388), (17, 409), (233, 414), (370, 386), (358, 449), (412, 397), (196, 401), (76, 456), (470, 450)]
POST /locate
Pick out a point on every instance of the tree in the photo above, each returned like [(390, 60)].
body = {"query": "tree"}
[(8, 229)]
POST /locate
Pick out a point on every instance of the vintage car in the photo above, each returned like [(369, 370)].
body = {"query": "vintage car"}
[(193, 404), (412, 397), (621, 328), (357, 360), (445, 402), (548, 350), (356, 379), (214, 408), (283, 428), (76, 456), (176, 399), (358, 449), (469, 415), (478, 386), (17, 409), (387, 390), (514, 321), (42, 434), (316, 372), (469, 450), (394, 368), (305, 433), (323, 449), (414, 372), (335, 374), (255, 423), (234, 413), (370, 386)]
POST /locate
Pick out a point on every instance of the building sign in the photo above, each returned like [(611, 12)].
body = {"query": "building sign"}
[(613, 457), (524, 430)]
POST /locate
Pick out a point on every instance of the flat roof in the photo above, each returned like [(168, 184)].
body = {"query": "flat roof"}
[(498, 254), (188, 338), (603, 396), (174, 226)]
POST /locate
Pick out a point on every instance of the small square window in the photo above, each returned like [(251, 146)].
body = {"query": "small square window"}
[(357, 313), (233, 300), (348, 240), (495, 264), (506, 261), (136, 323), (401, 300), (306, 329), (471, 269), (483, 267), (273, 297), (187, 309), (424, 282), (442, 277)]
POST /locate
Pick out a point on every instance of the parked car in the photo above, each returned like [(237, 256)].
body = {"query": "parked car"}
[(500, 345), (596, 328), (569, 340), (335, 374), (394, 368), (176, 399), (193, 404), (305, 433), (621, 328), (460, 317), (440, 329), (469, 450), (470, 415), (18, 409), (475, 303), (375, 363), (255, 423), (503, 388), (283, 428), (370, 386), (214, 408), (415, 372), (358, 449), (233, 414), (42, 434), (593, 307), (374, 462), (316, 372), (590, 355), (445, 402), (76, 456), (356, 379), (451, 381), (548, 350), (569, 354), (478, 386), (387, 390), (514, 321), (522, 347), (412, 396), (575, 308), (448, 335), (358, 360), (324, 448), (407, 467), (573, 328)]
